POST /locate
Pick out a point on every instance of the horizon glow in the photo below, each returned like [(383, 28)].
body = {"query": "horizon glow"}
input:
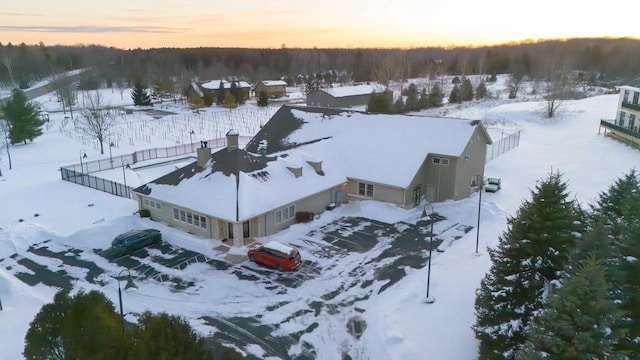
[(330, 24)]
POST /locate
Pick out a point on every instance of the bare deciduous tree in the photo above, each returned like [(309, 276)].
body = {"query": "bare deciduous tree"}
[(6, 60), (95, 119), (556, 82), (385, 71), (4, 139)]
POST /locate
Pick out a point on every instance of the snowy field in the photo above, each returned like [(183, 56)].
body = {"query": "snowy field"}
[(50, 222)]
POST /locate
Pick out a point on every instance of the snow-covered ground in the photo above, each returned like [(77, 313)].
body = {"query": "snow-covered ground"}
[(313, 306)]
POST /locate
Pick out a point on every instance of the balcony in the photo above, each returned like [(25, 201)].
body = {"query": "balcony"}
[(631, 106), (624, 134)]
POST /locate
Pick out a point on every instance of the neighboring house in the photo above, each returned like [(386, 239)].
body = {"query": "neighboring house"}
[(194, 90), (273, 88), (309, 159), (213, 86), (343, 96), (626, 125)]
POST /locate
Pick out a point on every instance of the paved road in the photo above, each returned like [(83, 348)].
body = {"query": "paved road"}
[(44, 89)]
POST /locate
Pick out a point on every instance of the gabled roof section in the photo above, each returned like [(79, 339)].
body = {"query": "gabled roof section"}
[(215, 84), (303, 151), (344, 91), (274, 83)]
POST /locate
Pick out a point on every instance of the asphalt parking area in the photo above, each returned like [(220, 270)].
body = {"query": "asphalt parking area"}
[(348, 260)]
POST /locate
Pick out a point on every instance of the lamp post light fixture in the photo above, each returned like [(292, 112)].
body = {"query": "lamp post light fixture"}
[(125, 165), (83, 155), (110, 155), (130, 284), (191, 139), (429, 299)]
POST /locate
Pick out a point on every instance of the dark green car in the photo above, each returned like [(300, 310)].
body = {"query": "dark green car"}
[(130, 241)]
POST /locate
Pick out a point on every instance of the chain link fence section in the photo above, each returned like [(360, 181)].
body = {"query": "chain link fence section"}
[(506, 143)]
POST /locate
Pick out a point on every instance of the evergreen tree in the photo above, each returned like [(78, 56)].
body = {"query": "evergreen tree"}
[(164, 336), (207, 98), (454, 95), (221, 94), (398, 106), (22, 118), (139, 95), (617, 211), (234, 92), (423, 101), (455, 80), (381, 102), (530, 256), (466, 90), (481, 90), (229, 101), (579, 321), (411, 103), (263, 99), (84, 326), (435, 95)]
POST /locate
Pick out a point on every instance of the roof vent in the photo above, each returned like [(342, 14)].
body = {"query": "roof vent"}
[(203, 153), (296, 171)]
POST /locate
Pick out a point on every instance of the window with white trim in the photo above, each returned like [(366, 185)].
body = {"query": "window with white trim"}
[(285, 214), (365, 189), (152, 204), (440, 161), (190, 218)]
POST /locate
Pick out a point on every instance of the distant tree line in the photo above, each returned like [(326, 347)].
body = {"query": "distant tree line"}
[(603, 60), (565, 281)]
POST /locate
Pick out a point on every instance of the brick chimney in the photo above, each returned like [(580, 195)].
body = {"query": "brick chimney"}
[(232, 140), (204, 153)]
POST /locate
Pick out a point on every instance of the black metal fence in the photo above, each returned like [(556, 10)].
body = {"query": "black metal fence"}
[(502, 146), (80, 173)]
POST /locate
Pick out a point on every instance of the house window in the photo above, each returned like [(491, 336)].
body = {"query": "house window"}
[(441, 161), (285, 214), (636, 97), (203, 222), (622, 116), (183, 215), (365, 189), (146, 201), (196, 220), (176, 214), (158, 206), (189, 218), (626, 95)]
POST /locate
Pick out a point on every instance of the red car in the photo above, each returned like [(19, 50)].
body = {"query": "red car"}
[(276, 255)]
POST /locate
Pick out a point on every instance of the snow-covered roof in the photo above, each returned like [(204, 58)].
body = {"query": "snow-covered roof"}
[(627, 87), (274, 83), (215, 84), (241, 184), (343, 91), (197, 89)]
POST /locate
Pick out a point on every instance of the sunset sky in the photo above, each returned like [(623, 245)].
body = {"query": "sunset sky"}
[(329, 23)]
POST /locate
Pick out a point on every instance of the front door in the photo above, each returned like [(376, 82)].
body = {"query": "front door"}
[(245, 230), (417, 194)]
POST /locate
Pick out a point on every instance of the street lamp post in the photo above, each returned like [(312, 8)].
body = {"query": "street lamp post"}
[(110, 155), (429, 299), (130, 284), (191, 139), (83, 155), (480, 183), (125, 165)]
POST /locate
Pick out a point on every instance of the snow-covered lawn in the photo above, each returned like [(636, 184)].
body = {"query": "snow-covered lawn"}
[(314, 305)]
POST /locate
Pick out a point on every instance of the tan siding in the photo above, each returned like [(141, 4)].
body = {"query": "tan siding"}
[(381, 192)]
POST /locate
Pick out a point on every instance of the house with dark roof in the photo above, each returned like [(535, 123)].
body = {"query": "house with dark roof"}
[(343, 96), (307, 159)]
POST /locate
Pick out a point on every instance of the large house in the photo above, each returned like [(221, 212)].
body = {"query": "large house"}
[(626, 125), (310, 159), (212, 87), (343, 96), (273, 88)]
